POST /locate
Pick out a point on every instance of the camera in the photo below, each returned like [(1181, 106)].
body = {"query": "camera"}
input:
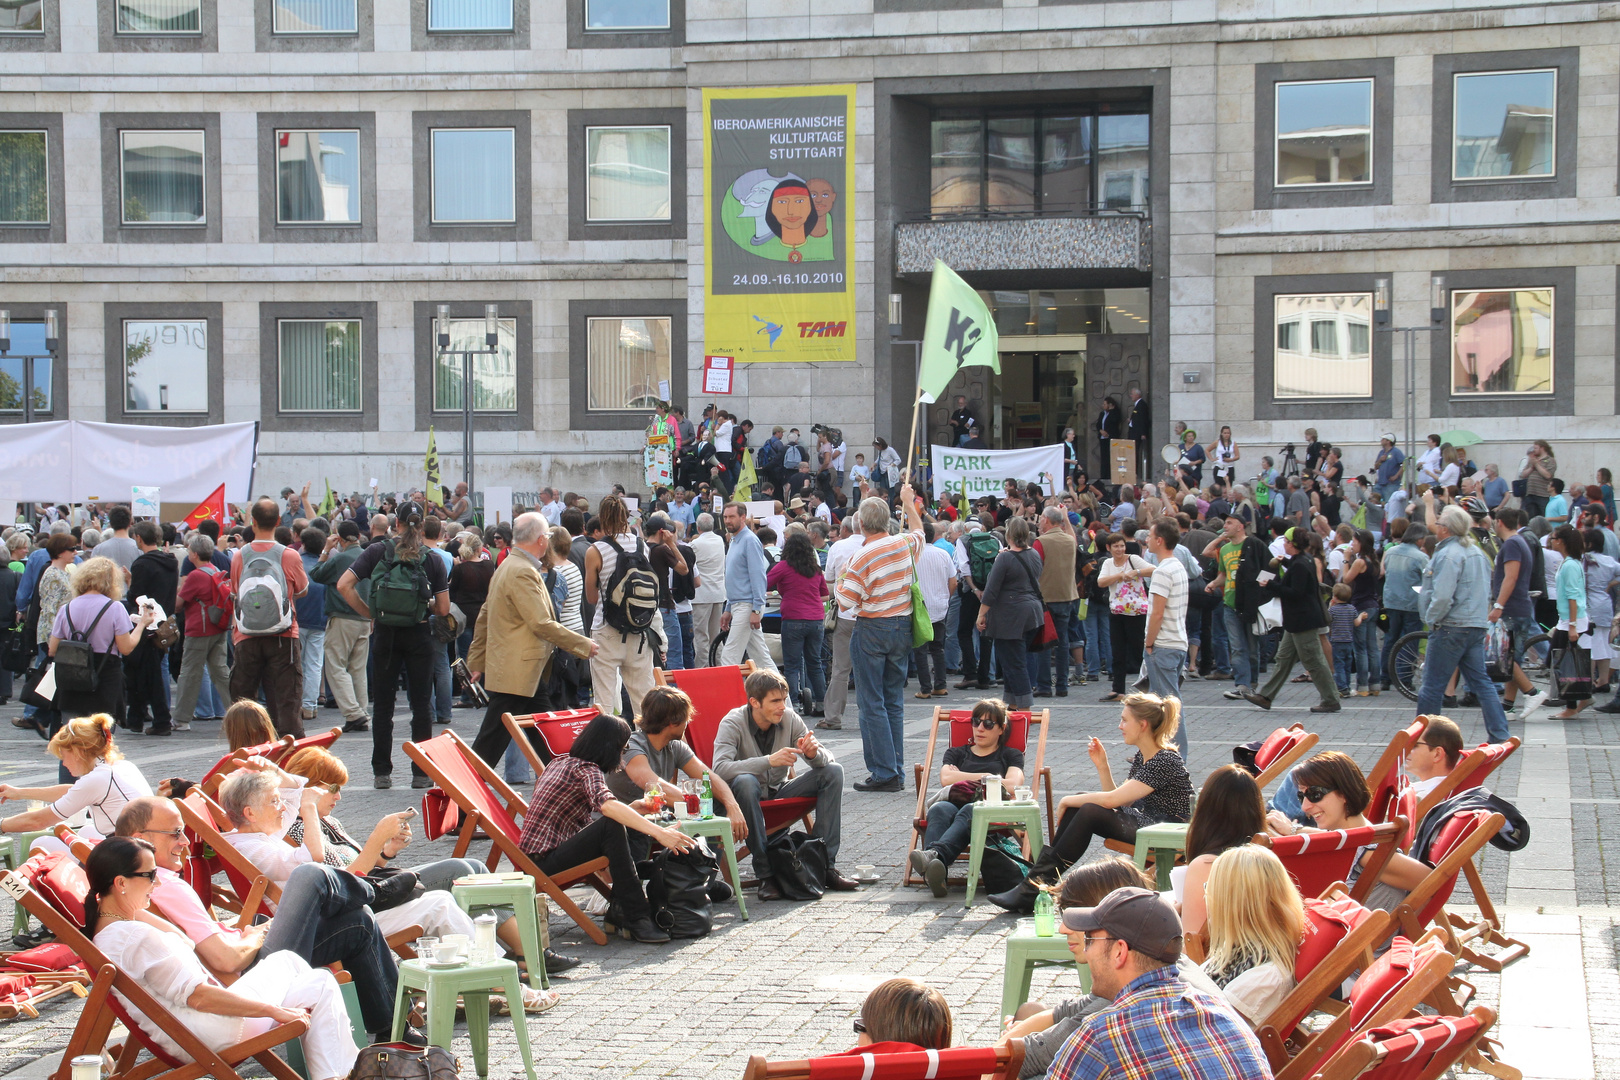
[(1289, 449)]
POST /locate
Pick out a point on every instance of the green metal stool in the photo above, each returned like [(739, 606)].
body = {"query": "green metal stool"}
[(1165, 840), (515, 891), (13, 856), (1025, 952), (472, 983), (720, 829), (1007, 813)]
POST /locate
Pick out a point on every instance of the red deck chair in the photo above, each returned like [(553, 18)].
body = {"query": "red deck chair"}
[(1452, 850), (1418, 1048), (1389, 764), (324, 740), (961, 733), (957, 1063), (1280, 750), (557, 730), (1317, 860), (488, 802), (715, 691), (104, 1007), (232, 761)]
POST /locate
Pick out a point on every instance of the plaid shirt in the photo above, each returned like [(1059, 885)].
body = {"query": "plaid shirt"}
[(1159, 1027), (563, 800)]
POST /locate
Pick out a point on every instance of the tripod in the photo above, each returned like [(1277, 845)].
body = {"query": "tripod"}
[(1290, 464)]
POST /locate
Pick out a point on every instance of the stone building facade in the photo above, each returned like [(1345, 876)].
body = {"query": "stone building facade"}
[(251, 210)]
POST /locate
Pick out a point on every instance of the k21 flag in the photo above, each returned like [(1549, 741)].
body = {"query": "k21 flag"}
[(960, 333)]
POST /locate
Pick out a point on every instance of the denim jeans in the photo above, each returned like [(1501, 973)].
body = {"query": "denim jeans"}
[(1287, 800), (1400, 624), (825, 785), (1100, 638), (1164, 667), (1013, 659), (953, 646), (444, 693), (314, 652), (688, 649), (801, 660), (1220, 645), (879, 651), (1241, 648), (1366, 650), (1061, 611), (311, 921), (675, 655), (1461, 648), (1344, 657), (950, 828)]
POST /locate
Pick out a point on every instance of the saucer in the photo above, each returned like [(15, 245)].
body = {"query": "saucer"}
[(440, 965)]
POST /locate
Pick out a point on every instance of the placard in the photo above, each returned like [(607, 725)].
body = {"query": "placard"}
[(632, 502), (761, 509), (497, 505), (984, 472), (1122, 464), (144, 501), (717, 374)]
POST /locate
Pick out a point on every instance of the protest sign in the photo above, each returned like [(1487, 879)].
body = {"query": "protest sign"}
[(143, 501), (983, 471)]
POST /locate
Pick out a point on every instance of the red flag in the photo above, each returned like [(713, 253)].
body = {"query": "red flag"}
[(211, 507)]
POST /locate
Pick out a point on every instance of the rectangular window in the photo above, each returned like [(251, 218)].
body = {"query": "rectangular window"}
[(494, 377), (27, 339), (317, 177), (1065, 164), (627, 174), (627, 14), (1010, 164), (25, 190), (166, 366), (1075, 161), (314, 17), (1324, 132), (1122, 161), (1504, 124), (628, 359), (472, 175), (1324, 346), (461, 16), (26, 17), (1501, 341), (159, 16), (957, 165), (163, 179), (320, 365)]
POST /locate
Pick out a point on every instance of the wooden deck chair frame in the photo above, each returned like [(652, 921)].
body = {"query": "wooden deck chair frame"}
[(1287, 759), (922, 772), (101, 1010), (1314, 992), (519, 728), (232, 761), (1393, 759), (1360, 1056), (199, 813), (1419, 989), (1387, 834), (1459, 861), (1009, 1060), (500, 842)]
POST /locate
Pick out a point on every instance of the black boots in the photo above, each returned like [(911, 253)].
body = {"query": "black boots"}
[(1020, 899)]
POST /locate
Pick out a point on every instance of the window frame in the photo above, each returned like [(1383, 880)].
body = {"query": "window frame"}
[(433, 403), (638, 410), (1444, 188), (1380, 191), (1456, 77), (1372, 130), (123, 361), (302, 35), (360, 374), (40, 33), (121, 32), (1451, 343), (111, 39), (267, 40), (670, 131), (1267, 405), (426, 311), (272, 416), (32, 312), (423, 126), (1307, 332), (13, 129), (646, 29), (1560, 401), (55, 231), (271, 230), (113, 228), (669, 37), (115, 315), (514, 39), (510, 27), (123, 197), (580, 416), (360, 151), (579, 122), (433, 181)]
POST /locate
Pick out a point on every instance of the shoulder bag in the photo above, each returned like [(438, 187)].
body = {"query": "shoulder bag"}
[(1131, 598), (922, 627), (1043, 635)]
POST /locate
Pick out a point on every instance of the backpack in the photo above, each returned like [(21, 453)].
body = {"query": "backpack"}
[(217, 607), (766, 458), (678, 891), (399, 590), (630, 602), (557, 586), (263, 608), (982, 549), (792, 454), (78, 666)]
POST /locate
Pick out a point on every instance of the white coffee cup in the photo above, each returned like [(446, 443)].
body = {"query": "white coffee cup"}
[(446, 953)]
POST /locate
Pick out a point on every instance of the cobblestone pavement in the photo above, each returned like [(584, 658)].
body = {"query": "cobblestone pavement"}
[(788, 983)]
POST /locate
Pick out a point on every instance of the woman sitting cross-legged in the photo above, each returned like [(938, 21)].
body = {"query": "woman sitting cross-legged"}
[(1256, 923), (987, 759), (1157, 789), (279, 989), (559, 833)]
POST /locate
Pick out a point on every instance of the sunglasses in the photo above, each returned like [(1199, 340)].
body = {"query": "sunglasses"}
[(860, 1026), (149, 875), (985, 722), (172, 834), (1314, 794)]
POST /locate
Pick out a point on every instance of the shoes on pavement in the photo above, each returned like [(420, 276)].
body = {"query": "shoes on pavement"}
[(830, 725), (768, 890), (1256, 699), (1470, 700), (719, 891), (966, 684), (421, 783), (1539, 698), (181, 725), (557, 963), (925, 861), (1448, 701), (382, 783), (940, 691), (896, 784), (1063, 691), (160, 729), (1192, 676), (1043, 693), (357, 725), (1020, 899), (838, 882), (925, 694), (1235, 694), (1326, 706)]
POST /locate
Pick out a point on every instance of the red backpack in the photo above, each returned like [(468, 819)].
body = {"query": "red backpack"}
[(217, 607)]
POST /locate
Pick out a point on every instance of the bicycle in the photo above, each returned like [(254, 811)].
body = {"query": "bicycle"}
[(1406, 662)]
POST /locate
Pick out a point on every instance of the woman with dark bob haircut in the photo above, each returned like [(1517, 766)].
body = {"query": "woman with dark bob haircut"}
[(1333, 793), (558, 831), (1230, 810)]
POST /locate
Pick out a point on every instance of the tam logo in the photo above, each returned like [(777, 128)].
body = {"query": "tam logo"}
[(822, 329)]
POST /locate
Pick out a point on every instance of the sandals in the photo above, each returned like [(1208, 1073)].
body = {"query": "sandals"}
[(534, 1002)]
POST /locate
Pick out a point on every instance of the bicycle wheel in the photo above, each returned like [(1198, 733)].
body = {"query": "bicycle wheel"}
[(1537, 664), (1406, 663)]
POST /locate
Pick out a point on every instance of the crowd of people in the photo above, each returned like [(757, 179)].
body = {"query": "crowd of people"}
[(1035, 591)]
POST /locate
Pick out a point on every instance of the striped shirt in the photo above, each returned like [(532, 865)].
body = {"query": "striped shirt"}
[(877, 584)]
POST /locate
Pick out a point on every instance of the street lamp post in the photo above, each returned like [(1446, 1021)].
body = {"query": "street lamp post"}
[(1381, 319), (492, 319), (917, 407), (29, 358)]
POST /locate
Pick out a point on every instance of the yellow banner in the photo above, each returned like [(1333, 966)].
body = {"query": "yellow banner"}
[(779, 240)]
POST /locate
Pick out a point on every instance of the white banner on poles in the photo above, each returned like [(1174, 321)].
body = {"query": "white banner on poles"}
[(984, 471), (79, 460)]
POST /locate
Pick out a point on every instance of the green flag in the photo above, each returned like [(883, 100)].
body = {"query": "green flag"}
[(960, 333), (329, 504), (430, 464)]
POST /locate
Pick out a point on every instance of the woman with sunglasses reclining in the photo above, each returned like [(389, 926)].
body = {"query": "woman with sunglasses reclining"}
[(986, 759)]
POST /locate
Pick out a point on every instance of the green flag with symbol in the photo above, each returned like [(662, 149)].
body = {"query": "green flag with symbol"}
[(960, 333)]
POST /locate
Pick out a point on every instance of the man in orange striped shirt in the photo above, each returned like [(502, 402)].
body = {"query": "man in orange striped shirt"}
[(876, 588)]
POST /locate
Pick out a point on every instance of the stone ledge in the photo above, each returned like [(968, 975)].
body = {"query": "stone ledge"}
[(1107, 241)]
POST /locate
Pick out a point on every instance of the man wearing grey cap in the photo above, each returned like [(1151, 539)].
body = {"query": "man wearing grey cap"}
[(1157, 1025)]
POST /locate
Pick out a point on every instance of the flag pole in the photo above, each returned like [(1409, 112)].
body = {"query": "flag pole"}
[(911, 443)]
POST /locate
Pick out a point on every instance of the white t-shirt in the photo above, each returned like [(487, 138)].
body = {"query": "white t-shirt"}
[(935, 570), (711, 567), (824, 512), (722, 438), (1421, 788), (104, 791), (838, 557), (1429, 465), (1450, 475), (1170, 581), (838, 456)]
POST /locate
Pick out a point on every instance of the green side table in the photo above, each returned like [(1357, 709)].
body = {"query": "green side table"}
[(1025, 952), (1008, 813), (13, 855), (516, 892), (472, 983), (1165, 841), (720, 829)]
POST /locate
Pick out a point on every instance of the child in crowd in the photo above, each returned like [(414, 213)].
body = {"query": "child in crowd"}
[(1343, 618), (860, 474)]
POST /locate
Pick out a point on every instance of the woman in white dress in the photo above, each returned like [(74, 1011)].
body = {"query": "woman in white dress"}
[(104, 783), (1223, 452), (279, 989)]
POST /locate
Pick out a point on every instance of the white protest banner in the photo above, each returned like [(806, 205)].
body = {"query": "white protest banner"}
[(983, 471), (80, 460), (144, 501), (761, 509)]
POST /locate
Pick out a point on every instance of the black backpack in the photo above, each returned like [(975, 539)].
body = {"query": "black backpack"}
[(630, 601), (399, 589), (678, 891), (1538, 567), (78, 666)]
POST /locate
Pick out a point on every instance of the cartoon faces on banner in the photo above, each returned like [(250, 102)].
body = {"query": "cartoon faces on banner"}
[(785, 218)]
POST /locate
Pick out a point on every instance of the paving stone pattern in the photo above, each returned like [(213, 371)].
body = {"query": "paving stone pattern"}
[(788, 983)]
